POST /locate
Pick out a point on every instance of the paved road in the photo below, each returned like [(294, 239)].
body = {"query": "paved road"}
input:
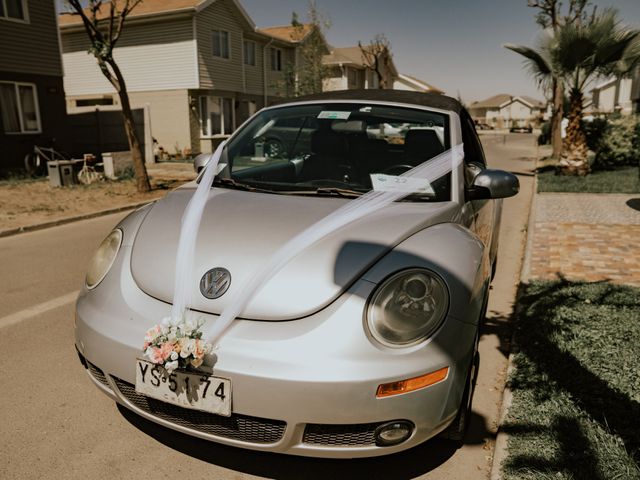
[(55, 424)]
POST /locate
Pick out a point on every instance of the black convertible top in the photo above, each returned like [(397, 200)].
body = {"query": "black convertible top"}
[(433, 100)]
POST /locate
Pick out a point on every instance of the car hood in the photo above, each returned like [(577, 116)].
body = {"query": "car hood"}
[(240, 231)]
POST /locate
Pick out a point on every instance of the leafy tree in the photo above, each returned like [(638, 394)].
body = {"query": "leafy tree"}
[(578, 53), (377, 57), (103, 23)]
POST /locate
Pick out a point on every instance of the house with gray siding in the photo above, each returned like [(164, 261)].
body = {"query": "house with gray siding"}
[(200, 67), (617, 95), (32, 103), (348, 70)]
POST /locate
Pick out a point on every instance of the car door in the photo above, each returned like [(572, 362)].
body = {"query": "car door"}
[(483, 211)]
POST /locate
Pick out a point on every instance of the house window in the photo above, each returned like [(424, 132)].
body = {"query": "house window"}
[(372, 79), (216, 116), (14, 9), (276, 59), (19, 108), (220, 44), (94, 102), (244, 110), (355, 77), (249, 53)]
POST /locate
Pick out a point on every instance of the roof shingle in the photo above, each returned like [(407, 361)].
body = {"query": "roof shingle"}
[(288, 33), (148, 7)]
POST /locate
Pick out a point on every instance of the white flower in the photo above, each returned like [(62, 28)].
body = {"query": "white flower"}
[(148, 352), (186, 347), (166, 321), (171, 366), (174, 356), (188, 327)]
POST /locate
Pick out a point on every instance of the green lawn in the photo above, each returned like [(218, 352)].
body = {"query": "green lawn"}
[(623, 180), (576, 386)]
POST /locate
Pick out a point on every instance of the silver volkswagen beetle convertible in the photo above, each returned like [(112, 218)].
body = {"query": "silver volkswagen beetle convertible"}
[(363, 344)]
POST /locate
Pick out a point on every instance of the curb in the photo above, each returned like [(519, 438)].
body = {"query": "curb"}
[(65, 220), (500, 448)]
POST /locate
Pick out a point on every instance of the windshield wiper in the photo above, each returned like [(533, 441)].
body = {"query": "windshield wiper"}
[(325, 191), (231, 183), (341, 192)]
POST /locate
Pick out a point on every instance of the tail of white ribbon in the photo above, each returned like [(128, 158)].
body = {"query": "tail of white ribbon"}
[(352, 211), (188, 235)]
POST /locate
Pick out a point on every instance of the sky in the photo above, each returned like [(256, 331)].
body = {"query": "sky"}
[(455, 45)]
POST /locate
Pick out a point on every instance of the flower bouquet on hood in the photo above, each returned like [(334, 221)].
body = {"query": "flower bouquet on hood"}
[(176, 344)]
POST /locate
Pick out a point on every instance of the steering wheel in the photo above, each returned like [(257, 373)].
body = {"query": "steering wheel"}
[(273, 148), (397, 169)]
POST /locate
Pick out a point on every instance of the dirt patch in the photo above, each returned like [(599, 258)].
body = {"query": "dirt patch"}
[(24, 203)]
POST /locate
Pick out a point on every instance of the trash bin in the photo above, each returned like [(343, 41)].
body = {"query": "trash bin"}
[(61, 173)]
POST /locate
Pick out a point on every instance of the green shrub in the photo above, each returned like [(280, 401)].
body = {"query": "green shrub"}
[(619, 143), (127, 174), (594, 130), (545, 134)]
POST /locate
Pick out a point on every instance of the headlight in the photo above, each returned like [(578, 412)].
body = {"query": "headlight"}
[(103, 258), (407, 308)]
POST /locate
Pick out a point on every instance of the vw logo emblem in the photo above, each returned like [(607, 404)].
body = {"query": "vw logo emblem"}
[(215, 282)]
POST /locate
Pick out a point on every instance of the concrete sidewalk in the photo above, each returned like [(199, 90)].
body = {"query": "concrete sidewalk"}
[(588, 237)]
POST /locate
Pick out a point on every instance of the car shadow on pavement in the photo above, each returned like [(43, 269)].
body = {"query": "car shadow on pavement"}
[(634, 203), (409, 464)]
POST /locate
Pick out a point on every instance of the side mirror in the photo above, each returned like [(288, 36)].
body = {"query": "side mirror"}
[(493, 184), (201, 161)]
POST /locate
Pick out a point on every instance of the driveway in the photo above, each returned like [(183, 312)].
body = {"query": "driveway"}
[(57, 425)]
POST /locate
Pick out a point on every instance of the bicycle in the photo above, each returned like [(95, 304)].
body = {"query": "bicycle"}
[(35, 163), (88, 174)]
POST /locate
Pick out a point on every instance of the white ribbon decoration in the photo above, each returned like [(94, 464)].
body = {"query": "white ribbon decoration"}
[(188, 235), (366, 204)]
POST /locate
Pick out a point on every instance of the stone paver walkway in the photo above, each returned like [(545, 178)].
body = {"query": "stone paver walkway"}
[(588, 237)]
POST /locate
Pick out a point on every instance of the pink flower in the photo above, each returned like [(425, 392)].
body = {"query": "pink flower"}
[(160, 354), (152, 334), (156, 355), (198, 350), (166, 349)]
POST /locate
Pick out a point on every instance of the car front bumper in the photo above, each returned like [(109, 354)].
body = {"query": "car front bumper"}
[(304, 387)]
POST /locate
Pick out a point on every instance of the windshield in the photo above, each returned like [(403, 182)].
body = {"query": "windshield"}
[(335, 149)]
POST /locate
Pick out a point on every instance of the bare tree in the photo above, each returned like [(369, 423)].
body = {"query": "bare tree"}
[(550, 16), (377, 57), (103, 24)]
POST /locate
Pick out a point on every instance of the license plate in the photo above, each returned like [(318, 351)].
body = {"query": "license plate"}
[(197, 391)]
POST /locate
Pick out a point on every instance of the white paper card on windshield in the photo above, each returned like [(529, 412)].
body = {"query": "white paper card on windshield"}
[(334, 115), (392, 183)]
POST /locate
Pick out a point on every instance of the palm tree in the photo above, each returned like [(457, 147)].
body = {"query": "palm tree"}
[(540, 65), (579, 53)]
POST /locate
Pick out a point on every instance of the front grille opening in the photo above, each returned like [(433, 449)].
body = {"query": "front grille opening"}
[(97, 374), (236, 427), (356, 435)]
